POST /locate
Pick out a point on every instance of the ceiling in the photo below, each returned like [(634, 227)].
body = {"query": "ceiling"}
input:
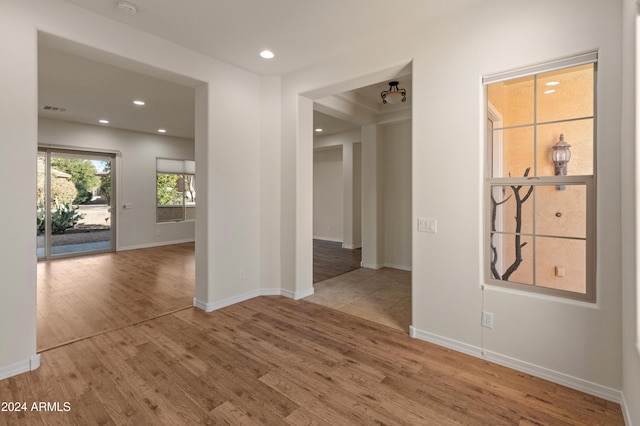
[(89, 91), (300, 32)]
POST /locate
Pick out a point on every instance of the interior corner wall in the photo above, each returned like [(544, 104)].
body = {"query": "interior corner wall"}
[(328, 195), (137, 226), (270, 171), (396, 146)]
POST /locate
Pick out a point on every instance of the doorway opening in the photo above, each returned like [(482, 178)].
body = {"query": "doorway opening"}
[(75, 200), (362, 205), (150, 272)]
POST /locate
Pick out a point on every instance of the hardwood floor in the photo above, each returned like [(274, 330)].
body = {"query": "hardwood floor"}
[(276, 361), (121, 344), (330, 260), (82, 296)]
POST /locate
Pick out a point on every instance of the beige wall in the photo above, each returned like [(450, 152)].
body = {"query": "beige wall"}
[(328, 194)]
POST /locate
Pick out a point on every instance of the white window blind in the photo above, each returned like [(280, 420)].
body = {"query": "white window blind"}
[(572, 61), (169, 165)]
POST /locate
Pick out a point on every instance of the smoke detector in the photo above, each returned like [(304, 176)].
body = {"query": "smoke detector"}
[(127, 7)]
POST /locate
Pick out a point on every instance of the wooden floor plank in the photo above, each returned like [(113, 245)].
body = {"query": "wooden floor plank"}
[(268, 360), (81, 296)]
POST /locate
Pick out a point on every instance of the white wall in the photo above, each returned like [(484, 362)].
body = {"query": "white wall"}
[(18, 104), (228, 141), (136, 169), (577, 344), (357, 195), (328, 195), (350, 145), (270, 194), (396, 145)]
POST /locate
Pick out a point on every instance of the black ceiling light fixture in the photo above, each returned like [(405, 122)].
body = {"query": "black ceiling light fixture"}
[(393, 95)]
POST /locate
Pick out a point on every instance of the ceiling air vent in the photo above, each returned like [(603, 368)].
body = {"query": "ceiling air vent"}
[(54, 108)]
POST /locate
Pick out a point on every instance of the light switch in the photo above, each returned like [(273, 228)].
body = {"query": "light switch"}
[(427, 225)]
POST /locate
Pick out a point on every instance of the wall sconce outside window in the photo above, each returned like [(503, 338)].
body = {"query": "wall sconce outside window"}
[(561, 156)]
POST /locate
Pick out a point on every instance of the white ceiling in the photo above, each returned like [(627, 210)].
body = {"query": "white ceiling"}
[(89, 91), (300, 32)]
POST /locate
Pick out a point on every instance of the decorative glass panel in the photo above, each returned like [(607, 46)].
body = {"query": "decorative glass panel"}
[(561, 264), (578, 134), (512, 258), (513, 101), (513, 152), (565, 94), (512, 209), (561, 210)]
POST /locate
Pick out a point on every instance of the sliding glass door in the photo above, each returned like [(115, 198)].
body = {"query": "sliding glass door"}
[(75, 197)]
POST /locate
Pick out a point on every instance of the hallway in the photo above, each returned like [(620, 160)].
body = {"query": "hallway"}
[(382, 296)]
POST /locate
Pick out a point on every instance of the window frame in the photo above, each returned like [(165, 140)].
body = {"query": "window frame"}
[(180, 168), (589, 182)]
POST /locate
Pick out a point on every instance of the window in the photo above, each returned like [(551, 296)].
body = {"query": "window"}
[(175, 190), (540, 210)]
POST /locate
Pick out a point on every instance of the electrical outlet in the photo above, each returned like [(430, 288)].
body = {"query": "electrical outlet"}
[(487, 319), (157, 232)]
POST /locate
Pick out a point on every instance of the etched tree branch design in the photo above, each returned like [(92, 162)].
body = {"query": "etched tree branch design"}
[(518, 244)]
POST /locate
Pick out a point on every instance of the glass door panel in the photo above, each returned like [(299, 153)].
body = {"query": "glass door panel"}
[(79, 204), (40, 205)]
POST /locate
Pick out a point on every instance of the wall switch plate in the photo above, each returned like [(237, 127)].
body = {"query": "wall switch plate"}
[(487, 319), (427, 225)]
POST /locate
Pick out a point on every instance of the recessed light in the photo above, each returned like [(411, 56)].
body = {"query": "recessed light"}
[(138, 102), (319, 130), (104, 121), (548, 92), (162, 131), (552, 83), (267, 54)]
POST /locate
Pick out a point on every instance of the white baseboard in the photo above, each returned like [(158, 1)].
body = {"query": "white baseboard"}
[(445, 342), (371, 265), (396, 266), (625, 411), (302, 294), (210, 307), (20, 367), (158, 244), (523, 366), (331, 240), (556, 377), (350, 246)]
